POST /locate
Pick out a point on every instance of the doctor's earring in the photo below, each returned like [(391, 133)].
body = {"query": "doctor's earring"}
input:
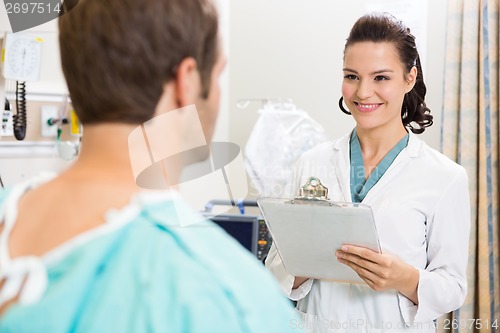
[(341, 106)]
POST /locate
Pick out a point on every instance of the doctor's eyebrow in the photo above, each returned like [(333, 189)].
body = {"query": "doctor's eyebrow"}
[(380, 71)]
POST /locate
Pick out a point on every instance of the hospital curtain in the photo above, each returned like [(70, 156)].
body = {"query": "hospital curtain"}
[(470, 136)]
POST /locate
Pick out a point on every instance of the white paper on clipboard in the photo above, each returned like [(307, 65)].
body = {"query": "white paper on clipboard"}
[(308, 233)]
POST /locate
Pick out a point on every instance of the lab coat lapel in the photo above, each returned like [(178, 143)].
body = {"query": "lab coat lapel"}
[(404, 157), (341, 161)]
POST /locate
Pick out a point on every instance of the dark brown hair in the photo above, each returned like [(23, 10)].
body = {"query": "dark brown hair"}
[(117, 54), (378, 28)]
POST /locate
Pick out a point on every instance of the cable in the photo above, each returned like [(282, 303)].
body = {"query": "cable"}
[(6, 108), (20, 117), (7, 105)]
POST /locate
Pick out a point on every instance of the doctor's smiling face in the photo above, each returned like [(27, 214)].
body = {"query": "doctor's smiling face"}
[(375, 83)]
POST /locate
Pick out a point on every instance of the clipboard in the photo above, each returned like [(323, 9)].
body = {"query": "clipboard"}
[(309, 229)]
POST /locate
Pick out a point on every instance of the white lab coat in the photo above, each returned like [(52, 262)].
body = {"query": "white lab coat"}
[(422, 214)]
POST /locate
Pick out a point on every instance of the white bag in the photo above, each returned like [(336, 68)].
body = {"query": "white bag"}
[(281, 134)]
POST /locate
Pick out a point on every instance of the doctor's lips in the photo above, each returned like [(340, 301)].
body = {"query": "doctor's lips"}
[(367, 107)]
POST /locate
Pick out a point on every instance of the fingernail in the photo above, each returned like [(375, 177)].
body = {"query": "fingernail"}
[(345, 248)]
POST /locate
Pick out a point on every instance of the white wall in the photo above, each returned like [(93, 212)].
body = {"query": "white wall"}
[(293, 49), (221, 132), (278, 48), (14, 170)]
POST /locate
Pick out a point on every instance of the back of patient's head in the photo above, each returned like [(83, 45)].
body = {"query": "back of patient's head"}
[(117, 54)]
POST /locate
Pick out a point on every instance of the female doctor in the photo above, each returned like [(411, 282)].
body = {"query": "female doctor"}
[(419, 197)]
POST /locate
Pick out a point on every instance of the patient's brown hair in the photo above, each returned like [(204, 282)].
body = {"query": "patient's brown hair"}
[(117, 54)]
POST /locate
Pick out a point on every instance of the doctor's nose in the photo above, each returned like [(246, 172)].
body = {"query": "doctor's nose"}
[(365, 90)]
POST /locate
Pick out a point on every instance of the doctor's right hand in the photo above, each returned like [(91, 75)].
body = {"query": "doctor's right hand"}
[(298, 281)]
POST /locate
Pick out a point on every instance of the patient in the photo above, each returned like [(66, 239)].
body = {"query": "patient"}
[(89, 250)]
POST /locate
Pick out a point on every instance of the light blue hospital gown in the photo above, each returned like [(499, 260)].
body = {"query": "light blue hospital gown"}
[(148, 274)]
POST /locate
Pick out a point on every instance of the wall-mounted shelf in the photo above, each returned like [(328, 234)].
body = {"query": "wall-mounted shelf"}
[(26, 149)]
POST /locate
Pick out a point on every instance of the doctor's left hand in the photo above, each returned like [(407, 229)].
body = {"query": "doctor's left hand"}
[(381, 271)]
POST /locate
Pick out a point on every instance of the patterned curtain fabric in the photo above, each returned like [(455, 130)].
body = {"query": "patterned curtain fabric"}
[(470, 136)]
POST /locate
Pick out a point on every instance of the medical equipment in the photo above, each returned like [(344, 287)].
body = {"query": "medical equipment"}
[(21, 58), (20, 117), (249, 230), (55, 123), (7, 128), (67, 149)]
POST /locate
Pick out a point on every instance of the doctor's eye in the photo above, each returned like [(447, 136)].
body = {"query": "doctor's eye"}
[(381, 78), (350, 77)]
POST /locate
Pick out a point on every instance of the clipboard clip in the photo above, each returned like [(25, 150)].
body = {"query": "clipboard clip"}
[(312, 190)]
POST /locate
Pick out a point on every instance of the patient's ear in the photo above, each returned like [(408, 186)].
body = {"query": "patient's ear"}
[(187, 82)]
